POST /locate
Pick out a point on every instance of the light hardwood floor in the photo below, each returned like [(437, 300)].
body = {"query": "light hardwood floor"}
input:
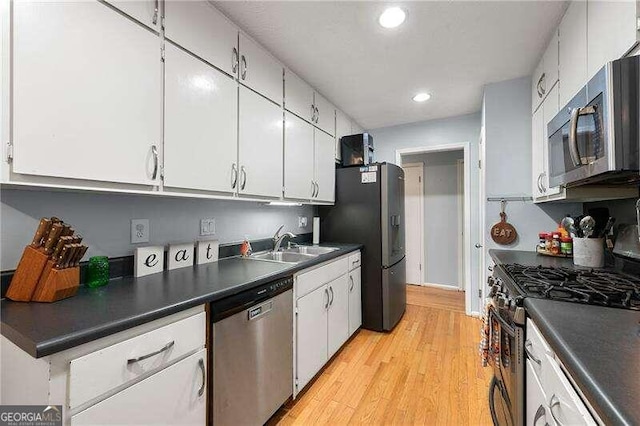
[(426, 371)]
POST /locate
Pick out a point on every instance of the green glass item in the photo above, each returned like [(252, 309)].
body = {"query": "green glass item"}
[(98, 271)]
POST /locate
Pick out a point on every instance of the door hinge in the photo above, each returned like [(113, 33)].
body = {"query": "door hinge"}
[(9, 152), (480, 293)]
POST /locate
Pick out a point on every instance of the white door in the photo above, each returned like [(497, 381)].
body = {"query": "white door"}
[(338, 322), (536, 410), (259, 70), (201, 123), (298, 96), (573, 51), (311, 334), (174, 396), (198, 27), (355, 300), (144, 11), (298, 158), (325, 166), (325, 114), (260, 145), (86, 93), (414, 217), (537, 153), (612, 31), (343, 128)]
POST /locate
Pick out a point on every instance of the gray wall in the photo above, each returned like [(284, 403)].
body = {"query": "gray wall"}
[(442, 227), (104, 219), (507, 121)]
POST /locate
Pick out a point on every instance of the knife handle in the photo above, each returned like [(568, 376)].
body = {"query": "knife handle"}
[(66, 229), (52, 238), (55, 219), (43, 228), (62, 241), (77, 239), (71, 255), (62, 256), (80, 254)]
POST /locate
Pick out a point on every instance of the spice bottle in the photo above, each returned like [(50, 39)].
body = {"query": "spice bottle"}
[(566, 245), (555, 243)]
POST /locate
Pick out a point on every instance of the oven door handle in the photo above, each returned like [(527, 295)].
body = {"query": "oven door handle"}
[(574, 150), (510, 331)]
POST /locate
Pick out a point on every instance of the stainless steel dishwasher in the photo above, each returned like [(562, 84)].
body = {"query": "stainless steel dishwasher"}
[(252, 354)]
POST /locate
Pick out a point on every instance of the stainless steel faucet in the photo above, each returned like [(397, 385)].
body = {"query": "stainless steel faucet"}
[(278, 239)]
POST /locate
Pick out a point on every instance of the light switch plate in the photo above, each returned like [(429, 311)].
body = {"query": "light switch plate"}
[(139, 231), (207, 226), (302, 221)]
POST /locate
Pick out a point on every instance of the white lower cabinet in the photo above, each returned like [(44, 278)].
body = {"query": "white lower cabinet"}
[(174, 396), (355, 300), (327, 309), (536, 405), (201, 124)]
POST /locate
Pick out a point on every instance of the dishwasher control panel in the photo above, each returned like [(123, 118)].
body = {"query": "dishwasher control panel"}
[(283, 284)]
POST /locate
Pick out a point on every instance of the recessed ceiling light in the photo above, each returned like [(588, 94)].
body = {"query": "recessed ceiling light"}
[(392, 17), (422, 97)]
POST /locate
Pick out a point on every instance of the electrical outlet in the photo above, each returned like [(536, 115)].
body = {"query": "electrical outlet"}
[(207, 226), (139, 231), (302, 221)]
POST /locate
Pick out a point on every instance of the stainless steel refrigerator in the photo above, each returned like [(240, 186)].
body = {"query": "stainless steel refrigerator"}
[(369, 209)]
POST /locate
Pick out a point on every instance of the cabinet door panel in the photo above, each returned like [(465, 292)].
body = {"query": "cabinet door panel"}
[(551, 61), (536, 410), (537, 153), (298, 158), (259, 70), (298, 96), (201, 29), (260, 145), (325, 166), (311, 335), (355, 300), (573, 51), (96, 114), (537, 80), (612, 31), (551, 108), (338, 322), (143, 11), (169, 397), (200, 124), (325, 114)]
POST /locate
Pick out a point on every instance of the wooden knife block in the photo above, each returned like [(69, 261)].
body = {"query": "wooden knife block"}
[(56, 284), (27, 275)]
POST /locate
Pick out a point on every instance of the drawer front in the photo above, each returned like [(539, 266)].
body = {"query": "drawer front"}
[(306, 282), (536, 348), (99, 372), (564, 405), (355, 261)]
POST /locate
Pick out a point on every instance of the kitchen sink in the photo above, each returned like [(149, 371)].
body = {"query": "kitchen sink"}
[(312, 250), (283, 256)]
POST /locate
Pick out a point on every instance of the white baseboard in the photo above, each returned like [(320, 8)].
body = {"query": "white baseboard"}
[(442, 287)]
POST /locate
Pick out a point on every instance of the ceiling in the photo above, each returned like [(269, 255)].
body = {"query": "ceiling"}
[(450, 49)]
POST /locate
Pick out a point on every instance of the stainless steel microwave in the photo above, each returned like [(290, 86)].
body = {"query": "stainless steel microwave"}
[(595, 137)]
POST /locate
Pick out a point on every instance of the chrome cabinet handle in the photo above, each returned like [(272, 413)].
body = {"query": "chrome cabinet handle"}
[(243, 173), (540, 413), (326, 293), (155, 13), (313, 113), (154, 152), (243, 67), (478, 245), (539, 184), (352, 284), (331, 290), (544, 188), (539, 87), (159, 351), (527, 349), (317, 189), (313, 189), (234, 60), (317, 115), (552, 405), (204, 377), (234, 176)]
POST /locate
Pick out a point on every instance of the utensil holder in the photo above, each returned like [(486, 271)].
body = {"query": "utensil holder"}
[(588, 252), (58, 284), (27, 275)]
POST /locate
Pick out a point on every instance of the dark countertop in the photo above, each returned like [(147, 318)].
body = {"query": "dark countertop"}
[(599, 346), (42, 329)]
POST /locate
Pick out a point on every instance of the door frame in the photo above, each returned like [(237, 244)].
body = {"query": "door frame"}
[(466, 148), (419, 165), (461, 204)]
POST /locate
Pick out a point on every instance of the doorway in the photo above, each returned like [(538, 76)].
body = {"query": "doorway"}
[(437, 216)]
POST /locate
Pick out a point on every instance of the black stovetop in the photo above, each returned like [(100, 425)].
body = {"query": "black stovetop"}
[(602, 287)]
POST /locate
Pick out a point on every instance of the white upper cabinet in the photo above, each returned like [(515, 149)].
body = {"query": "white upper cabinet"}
[(199, 28), (537, 153), (201, 124), (260, 146), (298, 96), (546, 74), (86, 94), (325, 117), (259, 70), (298, 158), (325, 166), (551, 108), (146, 12), (612, 28), (573, 51), (343, 128)]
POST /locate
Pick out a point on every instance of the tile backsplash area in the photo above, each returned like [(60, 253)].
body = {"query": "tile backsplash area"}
[(104, 220)]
